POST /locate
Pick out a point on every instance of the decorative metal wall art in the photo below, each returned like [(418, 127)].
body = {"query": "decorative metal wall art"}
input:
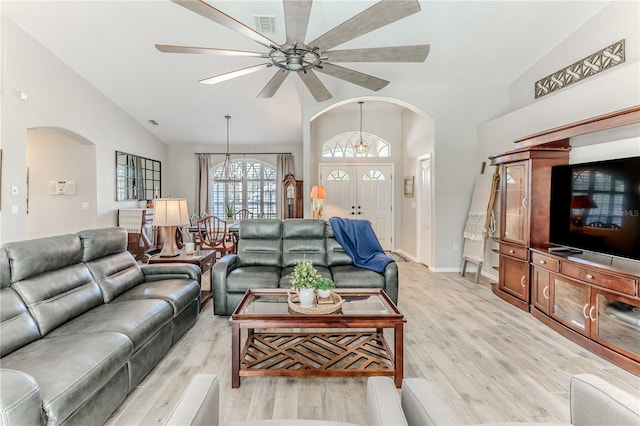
[(603, 59)]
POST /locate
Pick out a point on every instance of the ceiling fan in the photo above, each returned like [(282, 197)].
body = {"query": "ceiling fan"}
[(296, 56)]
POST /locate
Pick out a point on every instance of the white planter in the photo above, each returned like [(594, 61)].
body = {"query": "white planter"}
[(306, 296), (324, 293)]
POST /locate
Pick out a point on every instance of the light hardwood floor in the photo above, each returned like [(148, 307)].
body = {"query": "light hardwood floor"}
[(489, 360)]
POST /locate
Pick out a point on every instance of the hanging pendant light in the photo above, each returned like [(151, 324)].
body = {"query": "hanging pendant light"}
[(361, 146), (228, 172)]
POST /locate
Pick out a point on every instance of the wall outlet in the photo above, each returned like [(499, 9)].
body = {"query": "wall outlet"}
[(14, 209), (455, 246), (85, 206)]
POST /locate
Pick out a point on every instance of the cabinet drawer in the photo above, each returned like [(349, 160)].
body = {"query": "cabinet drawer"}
[(545, 262), (591, 276), (514, 251)]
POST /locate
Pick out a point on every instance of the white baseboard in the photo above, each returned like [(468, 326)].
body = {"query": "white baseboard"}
[(407, 255)]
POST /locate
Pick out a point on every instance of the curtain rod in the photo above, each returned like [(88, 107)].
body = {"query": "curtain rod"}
[(240, 153)]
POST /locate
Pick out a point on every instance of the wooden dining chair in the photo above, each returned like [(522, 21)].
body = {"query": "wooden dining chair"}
[(213, 235), (242, 214)]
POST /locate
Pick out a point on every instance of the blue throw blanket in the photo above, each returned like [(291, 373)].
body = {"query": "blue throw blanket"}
[(360, 242)]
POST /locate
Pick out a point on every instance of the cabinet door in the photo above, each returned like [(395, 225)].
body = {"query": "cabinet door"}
[(514, 207), (570, 302), (514, 278), (616, 322), (540, 282)]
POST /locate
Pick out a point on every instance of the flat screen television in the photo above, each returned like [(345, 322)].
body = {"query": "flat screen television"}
[(596, 207)]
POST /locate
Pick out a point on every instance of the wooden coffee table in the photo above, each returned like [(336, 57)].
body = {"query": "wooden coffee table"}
[(292, 344)]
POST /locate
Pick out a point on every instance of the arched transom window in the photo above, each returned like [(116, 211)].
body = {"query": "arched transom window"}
[(344, 145)]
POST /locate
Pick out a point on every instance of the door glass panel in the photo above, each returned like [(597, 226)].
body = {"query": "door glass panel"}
[(514, 212), (569, 303), (619, 323)]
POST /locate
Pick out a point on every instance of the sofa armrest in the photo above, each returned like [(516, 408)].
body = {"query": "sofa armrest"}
[(391, 281), (163, 271), (422, 405), (383, 403), (199, 403), (20, 402), (219, 273), (595, 401)]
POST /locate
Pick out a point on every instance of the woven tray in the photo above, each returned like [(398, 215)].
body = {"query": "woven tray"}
[(315, 309)]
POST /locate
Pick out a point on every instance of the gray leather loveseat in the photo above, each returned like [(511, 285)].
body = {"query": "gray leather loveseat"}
[(82, 324), (268, 250)]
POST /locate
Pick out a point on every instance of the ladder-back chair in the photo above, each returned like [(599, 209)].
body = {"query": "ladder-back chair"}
[(213, 235)]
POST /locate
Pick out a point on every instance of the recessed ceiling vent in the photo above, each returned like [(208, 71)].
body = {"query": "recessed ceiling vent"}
[(265, 24), (153, 122)]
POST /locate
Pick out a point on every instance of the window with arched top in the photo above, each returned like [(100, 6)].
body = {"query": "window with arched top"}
[(374, 175), (344, 145), (338, 175)]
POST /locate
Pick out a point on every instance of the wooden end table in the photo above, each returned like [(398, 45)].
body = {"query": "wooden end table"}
[(203, 258), (303, 351)]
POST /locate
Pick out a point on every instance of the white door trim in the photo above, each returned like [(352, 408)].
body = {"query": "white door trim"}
[(420, 193)]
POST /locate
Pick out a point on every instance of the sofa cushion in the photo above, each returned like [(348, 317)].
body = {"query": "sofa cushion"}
[(115, 274), (30, 258), (303, 239), (97, 243), (242, 279), (139, 320), (58, 296), (70, 369), (285, 277), (260, 243), (336, 255), (351, 276), (179, 292), (17, 326)]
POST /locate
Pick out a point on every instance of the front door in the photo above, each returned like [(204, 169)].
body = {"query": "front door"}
[(361, 192)]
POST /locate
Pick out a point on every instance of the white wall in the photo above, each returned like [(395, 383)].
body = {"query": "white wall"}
[(58, 97), (55, 155)]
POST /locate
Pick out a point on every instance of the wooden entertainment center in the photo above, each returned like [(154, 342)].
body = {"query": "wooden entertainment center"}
[(590, 298)]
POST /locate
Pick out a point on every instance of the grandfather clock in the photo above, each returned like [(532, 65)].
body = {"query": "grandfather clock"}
[(292, 198)]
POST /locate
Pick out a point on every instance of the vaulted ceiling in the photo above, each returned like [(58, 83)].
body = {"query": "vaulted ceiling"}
[(111, 45)]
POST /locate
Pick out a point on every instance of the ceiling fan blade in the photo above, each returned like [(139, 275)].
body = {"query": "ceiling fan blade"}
[(365, 80), (274, 84), (168, 48), (296, 20), (233, 74), (380, 54), (377, 16), (217, 16), (315, 86)]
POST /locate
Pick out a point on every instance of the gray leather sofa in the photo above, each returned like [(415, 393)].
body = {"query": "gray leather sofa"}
[(268, 250), (82, 324)]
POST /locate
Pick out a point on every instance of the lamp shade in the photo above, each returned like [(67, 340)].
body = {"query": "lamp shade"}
[(318, 192), (170, 212)]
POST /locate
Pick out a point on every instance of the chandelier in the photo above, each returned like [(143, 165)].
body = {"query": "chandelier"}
[(228, 172), (361, 146)]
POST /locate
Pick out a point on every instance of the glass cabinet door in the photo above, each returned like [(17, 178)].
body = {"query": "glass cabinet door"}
[(515, 202), (570, 303), (618, 323)]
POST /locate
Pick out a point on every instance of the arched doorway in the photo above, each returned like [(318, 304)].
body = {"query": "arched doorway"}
[(59, 155)]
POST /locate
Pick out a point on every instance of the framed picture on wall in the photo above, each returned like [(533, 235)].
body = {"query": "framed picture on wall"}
[(408, 186)]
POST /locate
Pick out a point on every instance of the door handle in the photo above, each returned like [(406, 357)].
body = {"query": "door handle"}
[(591, 314)]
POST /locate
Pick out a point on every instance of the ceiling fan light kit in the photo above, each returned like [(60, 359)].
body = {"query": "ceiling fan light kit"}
[(305, 59)]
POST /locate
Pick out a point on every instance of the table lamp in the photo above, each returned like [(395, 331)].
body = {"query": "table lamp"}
[(318, 195), (169, 213)]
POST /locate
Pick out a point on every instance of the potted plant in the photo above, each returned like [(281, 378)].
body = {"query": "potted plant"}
[(304, 280), (324, 286), (228, 208)]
